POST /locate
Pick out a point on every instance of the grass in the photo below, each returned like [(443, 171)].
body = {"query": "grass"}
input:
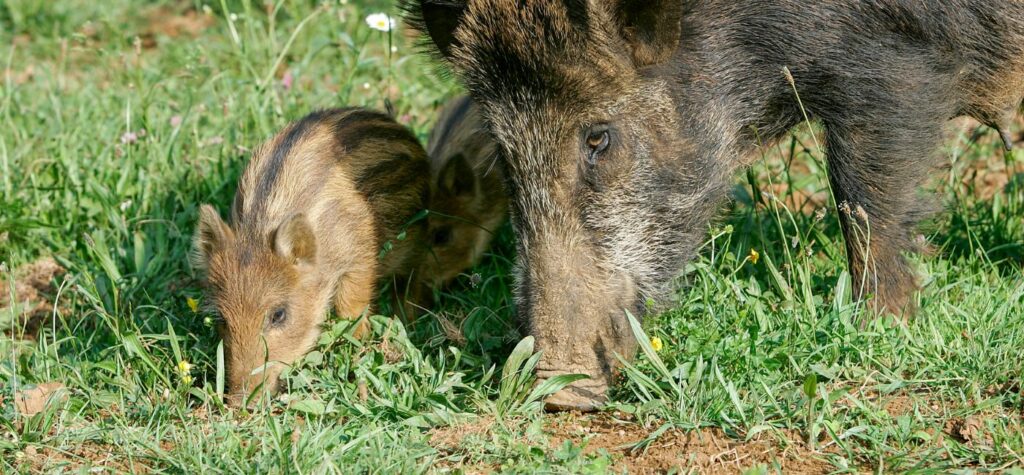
[(118, 121)]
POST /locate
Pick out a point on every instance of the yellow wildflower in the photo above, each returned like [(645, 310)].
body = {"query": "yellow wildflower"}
[(193, 304), (656, 344), (754, 256), (184, 370)]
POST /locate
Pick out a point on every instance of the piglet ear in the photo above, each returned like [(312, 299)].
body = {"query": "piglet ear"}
[(294, 240), (438, 19), (458, 178), (652, 28), (212, 234)]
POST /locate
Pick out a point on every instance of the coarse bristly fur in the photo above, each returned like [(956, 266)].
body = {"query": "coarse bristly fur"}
[(622, 122), (468, 201), (313, 209)]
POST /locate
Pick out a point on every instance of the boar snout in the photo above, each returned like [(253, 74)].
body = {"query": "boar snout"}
[(577, 315)]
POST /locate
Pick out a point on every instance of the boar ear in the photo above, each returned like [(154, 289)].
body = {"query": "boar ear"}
[(294, 240), (236, 208), (458, 177), (436, 18), (652, 28), (212, 233)]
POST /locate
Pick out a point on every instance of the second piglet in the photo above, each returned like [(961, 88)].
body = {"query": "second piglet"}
[(468, 199), (314, 209)]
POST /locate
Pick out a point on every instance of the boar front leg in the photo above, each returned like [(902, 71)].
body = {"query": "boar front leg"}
[(877, 163), (353, 299)]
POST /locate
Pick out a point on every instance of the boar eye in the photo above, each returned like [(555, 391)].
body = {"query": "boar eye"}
[(598, 140), (279, 316)]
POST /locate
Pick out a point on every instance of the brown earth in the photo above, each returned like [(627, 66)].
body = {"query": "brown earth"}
[(953, 426), (30, 402), (80, 457), (35, 291), (705, 450), (165, 21)]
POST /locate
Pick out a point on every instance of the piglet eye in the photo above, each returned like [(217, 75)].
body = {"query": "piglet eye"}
[(442, 236), (278, 317), (598, 140)]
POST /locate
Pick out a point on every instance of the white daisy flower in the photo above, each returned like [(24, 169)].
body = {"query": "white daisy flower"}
[(380, 22)]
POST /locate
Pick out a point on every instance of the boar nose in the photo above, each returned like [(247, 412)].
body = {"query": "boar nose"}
[(580, 326), (584, 396)]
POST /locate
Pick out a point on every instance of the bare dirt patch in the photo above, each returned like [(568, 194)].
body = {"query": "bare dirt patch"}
[(169, 23), (971, 430), (84, 457), (706, 450), (33, 401), (451, 437), (34, 294)]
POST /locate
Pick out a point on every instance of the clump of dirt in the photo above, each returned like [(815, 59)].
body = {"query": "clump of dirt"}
[(30, 402), (33, 297), (20, 76), (706, 450), (972, 431), (450, 438), (164, 21)]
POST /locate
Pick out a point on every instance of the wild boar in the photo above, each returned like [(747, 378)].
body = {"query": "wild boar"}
[(621, 123), (315, 206)]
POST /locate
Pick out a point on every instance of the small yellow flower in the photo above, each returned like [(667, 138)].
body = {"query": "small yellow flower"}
[(193, 304), (754, 256), (656, 344), (184, 370)]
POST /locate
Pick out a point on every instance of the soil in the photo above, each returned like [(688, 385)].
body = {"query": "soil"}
[(705, 450), (712, 450), (30, 402), (164, 21), (80, 457), (35, 291), (451, 437)]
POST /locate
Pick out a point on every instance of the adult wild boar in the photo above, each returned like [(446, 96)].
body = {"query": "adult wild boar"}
[(622, 122)]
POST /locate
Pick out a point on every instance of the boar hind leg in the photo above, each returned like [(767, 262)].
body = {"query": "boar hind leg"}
[(876, 169), (353, 299)]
